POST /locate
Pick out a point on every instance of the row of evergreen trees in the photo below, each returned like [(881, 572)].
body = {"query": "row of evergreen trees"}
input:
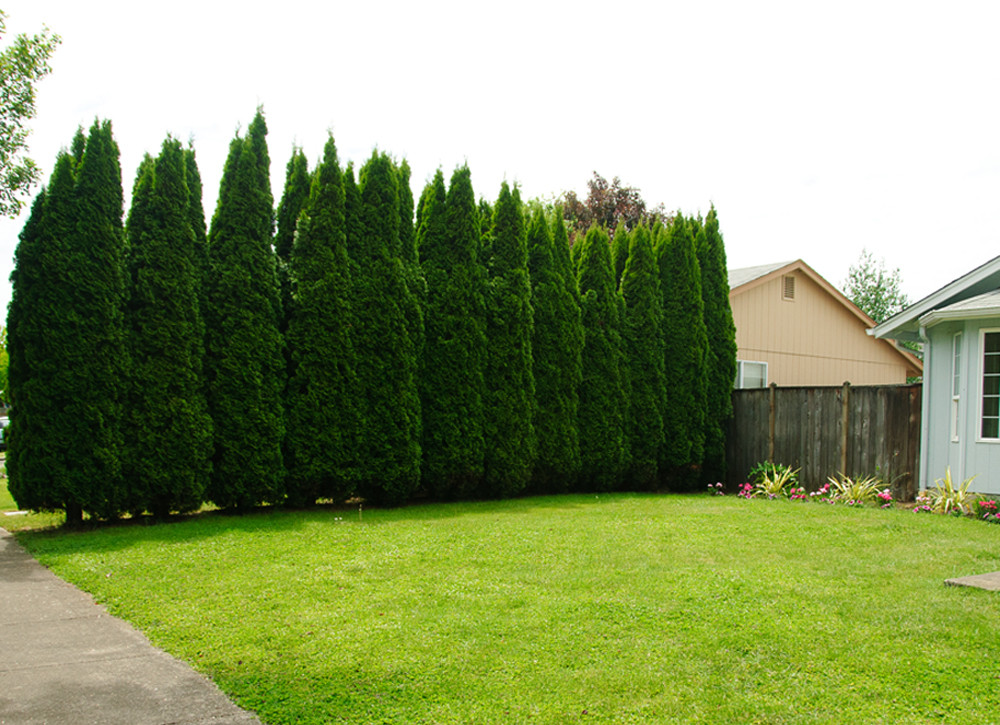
[(364, 346)]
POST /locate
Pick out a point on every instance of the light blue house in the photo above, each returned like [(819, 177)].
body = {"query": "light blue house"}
[(959, 326)]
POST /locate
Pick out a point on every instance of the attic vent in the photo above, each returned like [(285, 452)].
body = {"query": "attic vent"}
[(788, 287)]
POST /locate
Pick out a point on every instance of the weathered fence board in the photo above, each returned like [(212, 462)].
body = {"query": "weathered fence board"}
[(823, 431)]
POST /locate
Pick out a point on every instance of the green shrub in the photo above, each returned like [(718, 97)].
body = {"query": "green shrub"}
[(948, 498), (856, 490)]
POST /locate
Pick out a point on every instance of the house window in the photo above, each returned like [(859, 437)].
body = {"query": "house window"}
[(751, 374), (989, 407), (788, 288), (956, 382)]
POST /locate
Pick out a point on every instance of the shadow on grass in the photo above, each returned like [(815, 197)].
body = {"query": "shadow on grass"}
[(100, 537)]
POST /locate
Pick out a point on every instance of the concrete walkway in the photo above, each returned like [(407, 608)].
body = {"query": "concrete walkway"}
[(64, 659)]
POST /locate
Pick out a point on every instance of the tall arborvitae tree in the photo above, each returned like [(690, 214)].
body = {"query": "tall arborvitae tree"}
[(486, 227), (620, 243), (245, 359), (74, 376), (602, 397), (34, 480), (293, 198), (685, 343), (721, 336), (644, 360), (322, 436), (98, 344), (574, 254), (384, 342), (452, 368), (168, 432), (556, 347), (414, 276), (510, 385), (196, 218)]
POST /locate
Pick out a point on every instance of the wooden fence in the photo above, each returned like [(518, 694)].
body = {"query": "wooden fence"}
[(823, 431)]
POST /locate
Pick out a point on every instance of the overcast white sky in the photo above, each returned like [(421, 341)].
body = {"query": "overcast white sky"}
[(816, 129)]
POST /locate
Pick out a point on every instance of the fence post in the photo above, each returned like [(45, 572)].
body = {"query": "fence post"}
[(845, 414), (770, 422)]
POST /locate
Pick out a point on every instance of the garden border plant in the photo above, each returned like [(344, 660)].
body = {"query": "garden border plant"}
[(776, 480)]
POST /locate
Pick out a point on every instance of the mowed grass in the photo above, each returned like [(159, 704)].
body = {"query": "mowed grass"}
[(613, 609), (31, 520)]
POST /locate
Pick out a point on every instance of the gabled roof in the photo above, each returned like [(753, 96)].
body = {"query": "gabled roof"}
[(741, 280), (746, 278), (740, 277), (905, 324)]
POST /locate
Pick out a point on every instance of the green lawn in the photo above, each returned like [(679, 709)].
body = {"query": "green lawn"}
[(23, 521), (613, 609)]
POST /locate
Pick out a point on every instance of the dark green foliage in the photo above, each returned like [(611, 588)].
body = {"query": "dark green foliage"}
[(352, 214), (574, 254), (452, 369), (196, 218), (296, 192), (293, 198), (407, 233), (245, 360), (510, 387), (68, 339), (619, 251), (414, 303), (168, 431), (686, 345), (322, 418), (486, 227), (564, 264), (32, 479), (602, 397), (642, 338), (721, 336), (384, 342), (556, 347)]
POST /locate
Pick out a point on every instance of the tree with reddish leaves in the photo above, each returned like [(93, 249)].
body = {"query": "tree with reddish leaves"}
[(608, 204)]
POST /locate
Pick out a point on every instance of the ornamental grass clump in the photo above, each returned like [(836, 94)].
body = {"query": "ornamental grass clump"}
[(774, 479), (947, 498), (858, 490)]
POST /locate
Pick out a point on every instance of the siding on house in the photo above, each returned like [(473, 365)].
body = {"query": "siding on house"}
[(960, 446), (817, 337)]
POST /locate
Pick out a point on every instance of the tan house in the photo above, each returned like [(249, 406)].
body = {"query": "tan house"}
[(795, 328)]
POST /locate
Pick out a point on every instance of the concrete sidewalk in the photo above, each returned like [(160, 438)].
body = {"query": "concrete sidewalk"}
[(64, 659)]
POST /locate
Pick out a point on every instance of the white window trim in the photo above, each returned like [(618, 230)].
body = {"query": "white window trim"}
[(739, 373), (979, 386)]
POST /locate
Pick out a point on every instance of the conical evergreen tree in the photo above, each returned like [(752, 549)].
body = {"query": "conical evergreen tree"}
[(556, 346), (196, 218), (33, 479), (486, 227), (602, 398), (415, 302), (620, 244), (387, 368), (452, 369), (98, 361), (169, 432), (245, 358), (721, 335), (685, 342), (293, 198), (510, 384), (322, 437), (644, 360), (76, 382)]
